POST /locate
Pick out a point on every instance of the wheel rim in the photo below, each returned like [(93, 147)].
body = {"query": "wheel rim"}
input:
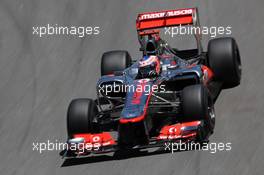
[(211, 111), (211, 114)]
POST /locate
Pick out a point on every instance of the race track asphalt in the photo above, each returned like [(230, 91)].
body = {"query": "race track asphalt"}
[(39, 77)]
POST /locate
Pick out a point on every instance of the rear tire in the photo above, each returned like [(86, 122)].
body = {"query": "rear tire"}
[(115, 61), (224, 60), (80, 116)]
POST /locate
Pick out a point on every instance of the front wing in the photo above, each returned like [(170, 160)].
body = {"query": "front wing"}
[(82, 145)]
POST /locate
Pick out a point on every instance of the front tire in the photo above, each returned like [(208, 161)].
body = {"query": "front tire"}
[(80, 116), (197, 104)]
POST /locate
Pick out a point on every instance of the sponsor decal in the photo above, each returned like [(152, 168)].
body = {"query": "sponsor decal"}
[(166, 14)]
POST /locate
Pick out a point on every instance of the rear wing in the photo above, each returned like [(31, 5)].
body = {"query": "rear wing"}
[(153, 20), (149, 23)]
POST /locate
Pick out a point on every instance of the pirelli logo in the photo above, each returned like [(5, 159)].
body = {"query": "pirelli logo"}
[(165, 14)]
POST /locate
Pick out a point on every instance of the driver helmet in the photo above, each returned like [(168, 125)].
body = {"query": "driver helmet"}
[(149, 66)]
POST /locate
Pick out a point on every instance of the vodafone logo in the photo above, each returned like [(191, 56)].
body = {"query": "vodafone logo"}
[(168, 14)]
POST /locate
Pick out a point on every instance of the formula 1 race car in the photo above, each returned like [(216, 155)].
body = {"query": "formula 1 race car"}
[(168, 95)]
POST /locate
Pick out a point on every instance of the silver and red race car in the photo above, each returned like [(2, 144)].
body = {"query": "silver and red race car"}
[(168, 95)]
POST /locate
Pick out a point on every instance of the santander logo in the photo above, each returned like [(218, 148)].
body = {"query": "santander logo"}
[(172, 130)]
